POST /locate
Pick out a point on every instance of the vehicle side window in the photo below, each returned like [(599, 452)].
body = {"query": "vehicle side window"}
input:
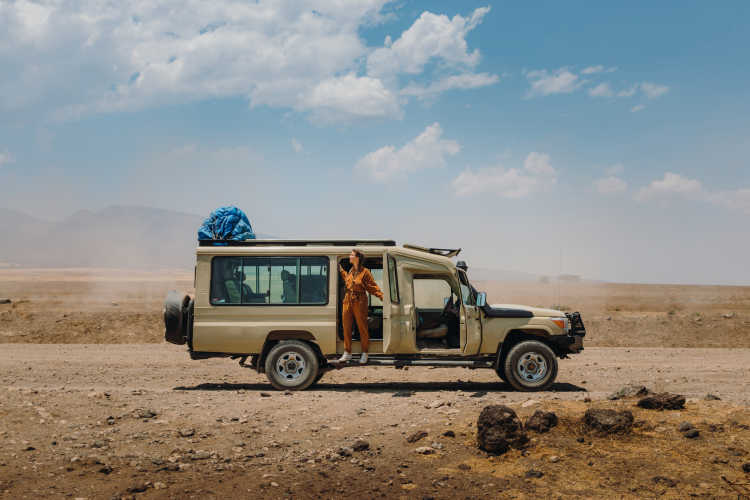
[(269, 280), (431, 293), (377, 275), (226, 280), (393, 280)]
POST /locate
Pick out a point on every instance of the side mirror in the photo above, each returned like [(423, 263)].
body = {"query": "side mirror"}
[(481, 299)]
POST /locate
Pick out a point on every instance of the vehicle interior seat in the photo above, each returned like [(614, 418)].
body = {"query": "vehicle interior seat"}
[(437, 332)]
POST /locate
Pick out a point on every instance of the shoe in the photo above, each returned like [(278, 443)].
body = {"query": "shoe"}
[(363, 359), (347, 356)]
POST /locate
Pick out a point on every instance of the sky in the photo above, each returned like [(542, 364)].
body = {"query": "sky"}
[(609, 141)]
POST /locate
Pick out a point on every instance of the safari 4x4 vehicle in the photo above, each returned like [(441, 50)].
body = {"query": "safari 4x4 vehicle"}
[(278, 302)]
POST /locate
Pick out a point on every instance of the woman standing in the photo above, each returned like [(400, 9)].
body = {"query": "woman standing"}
[(359, 282)]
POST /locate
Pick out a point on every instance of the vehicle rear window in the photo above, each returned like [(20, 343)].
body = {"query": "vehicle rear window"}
[(269, 280)]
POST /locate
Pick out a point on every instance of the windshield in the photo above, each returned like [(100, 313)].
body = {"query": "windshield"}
[(468, 294)]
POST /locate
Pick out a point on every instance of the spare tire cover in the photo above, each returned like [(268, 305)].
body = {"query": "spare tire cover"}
[(174, 319)]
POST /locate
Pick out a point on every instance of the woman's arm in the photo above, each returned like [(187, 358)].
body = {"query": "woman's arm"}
[(342, 272), (370, 285)]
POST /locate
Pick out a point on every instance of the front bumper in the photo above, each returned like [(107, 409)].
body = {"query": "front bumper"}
[(572, 342)]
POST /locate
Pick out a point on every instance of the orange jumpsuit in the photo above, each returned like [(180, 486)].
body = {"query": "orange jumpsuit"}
[(355, 305)]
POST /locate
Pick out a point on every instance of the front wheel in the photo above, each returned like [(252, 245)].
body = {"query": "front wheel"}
[(292, 365), (530, 366)]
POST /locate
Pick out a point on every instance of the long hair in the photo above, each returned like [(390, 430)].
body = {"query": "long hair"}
[(360, 258)]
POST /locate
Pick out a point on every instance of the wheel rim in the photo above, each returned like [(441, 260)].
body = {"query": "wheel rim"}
[(532, 367), (291, 367)]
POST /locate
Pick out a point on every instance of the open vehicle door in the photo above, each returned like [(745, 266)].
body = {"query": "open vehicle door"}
[(395, 318)]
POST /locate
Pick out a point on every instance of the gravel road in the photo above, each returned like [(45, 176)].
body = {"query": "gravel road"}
[(166, 369)]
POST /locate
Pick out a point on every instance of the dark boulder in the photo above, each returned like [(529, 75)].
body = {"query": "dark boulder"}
[(499, 429), (606, 421), (541, 421), (662, 401), (629, 391)]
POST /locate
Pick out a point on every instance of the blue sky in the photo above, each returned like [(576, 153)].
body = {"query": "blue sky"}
[(616, 136)]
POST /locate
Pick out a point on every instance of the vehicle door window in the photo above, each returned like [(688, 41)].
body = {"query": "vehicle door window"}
[(466, 293), (393, 280), (431, 293), (226, 282)]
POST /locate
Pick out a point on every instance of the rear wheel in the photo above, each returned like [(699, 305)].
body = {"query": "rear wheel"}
[(530, 366), (292, 365)]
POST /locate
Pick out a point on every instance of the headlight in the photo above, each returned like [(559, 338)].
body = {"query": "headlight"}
[(563, 323)]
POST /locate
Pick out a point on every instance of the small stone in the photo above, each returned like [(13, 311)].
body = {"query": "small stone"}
[(5, 301), (416, 436), (729, 315), (692, 433), (663, 401), (464, 466), (158, 485), (528, 403), (425, 450), (629, 391), (541, 421), (533, 473), (607, 421), (274, 484), (580, 440), (360, 445), (29, 448), (437, 446), (478, 394), (746, 467), (664, 481), (201, 455), (345, 451), (186, 432), (449, 434), (265, 395), (712, 397), (554, 459), (105, 470), (685, 426), (435, 404), (146, 413), (138, 488)]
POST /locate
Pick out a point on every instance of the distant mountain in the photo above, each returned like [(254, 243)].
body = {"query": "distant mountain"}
[(119, 236)]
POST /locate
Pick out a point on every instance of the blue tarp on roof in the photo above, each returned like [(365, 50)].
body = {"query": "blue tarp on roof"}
[(226, 223)]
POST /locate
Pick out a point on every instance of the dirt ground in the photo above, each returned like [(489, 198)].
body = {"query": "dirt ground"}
[(93, 404), (102, 306), (97, 421)]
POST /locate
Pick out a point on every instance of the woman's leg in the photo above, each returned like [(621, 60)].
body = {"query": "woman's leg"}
[(360, 314), (347, 318)]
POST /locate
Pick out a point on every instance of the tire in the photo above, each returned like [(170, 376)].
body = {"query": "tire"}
[(318, 377), (175, 324), (292, 365), (530, 366)]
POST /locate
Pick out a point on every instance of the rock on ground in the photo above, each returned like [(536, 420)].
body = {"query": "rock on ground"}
[(498, 429), (541, 421), (606, 421), (629, 391), (662, 401)]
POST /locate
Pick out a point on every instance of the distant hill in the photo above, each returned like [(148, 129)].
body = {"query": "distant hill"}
[(481, 274), (119, 236)]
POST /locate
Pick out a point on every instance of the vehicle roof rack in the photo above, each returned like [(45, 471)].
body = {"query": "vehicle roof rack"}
[(445, 252), (294, 243)]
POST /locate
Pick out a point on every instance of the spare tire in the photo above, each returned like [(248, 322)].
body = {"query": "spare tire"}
[(175, 324)]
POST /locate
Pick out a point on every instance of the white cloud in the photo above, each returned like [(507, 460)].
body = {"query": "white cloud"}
[(601, 90), (610, 185), (359, 96), (653, 90), (671, 184), (132, 55), (637, 108), (6, 158), (560, 81), (427, 150), (464, 81), (432, 36), (675, 185), (591, 70), (537, 173), (297, 146)]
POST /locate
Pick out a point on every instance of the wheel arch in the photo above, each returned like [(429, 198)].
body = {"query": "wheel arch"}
[(276, 336), (519, 335)]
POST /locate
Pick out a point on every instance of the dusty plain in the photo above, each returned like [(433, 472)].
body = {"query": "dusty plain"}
[(94, 404)]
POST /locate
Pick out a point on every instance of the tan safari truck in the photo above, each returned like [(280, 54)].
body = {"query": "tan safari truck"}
[(277, 303)]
